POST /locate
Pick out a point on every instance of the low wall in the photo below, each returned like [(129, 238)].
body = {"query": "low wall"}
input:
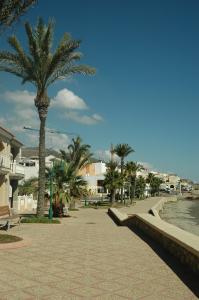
[(26, 203), (159, 206), (180, 243), (117, 216)]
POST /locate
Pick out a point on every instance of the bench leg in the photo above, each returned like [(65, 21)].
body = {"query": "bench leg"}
[(7, 225)]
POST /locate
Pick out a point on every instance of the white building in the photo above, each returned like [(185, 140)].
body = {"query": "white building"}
[(31, 165), (94, 175), (10, 169)]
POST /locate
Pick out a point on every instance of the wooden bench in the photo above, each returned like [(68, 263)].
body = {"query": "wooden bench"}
[(8, 218)]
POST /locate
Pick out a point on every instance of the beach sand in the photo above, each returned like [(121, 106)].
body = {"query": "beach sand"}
[(183, 213)]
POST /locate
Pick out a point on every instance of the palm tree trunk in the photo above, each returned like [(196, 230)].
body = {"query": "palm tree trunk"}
[(122, 188), (113, 192), (41, 192), (42, 103), (134, 187)]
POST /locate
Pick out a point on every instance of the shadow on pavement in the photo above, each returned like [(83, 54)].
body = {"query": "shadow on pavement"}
[(184, 273)]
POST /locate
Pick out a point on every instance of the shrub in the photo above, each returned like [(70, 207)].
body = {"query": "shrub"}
[(44, 220)]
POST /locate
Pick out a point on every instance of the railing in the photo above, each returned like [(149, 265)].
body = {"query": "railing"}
[(16, 168), (4, 161)]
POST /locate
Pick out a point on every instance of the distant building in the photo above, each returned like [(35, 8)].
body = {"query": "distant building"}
[(10, 169), (94, 175), (31, 165)]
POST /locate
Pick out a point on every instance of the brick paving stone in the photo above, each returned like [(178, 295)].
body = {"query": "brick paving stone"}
[(16, 295), (88, 292), (77, 260)]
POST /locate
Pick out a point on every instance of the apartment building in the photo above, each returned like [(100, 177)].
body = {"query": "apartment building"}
[(31, 165), (10, 169), (94, 175)]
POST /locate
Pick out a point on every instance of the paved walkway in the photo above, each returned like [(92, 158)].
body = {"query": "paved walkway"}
[(86, 257)]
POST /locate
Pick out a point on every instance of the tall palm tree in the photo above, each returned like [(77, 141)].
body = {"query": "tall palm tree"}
[(42, 67), (131, 170), (122, 150)]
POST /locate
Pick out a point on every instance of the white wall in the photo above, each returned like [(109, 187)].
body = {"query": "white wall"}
[(33, 171), (26, 203), (92, 182), (100, 168)]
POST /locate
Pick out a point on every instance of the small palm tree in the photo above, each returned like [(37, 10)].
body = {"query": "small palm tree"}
[(42, 67), (78, 154), (131, 170), (140, 187), (66, 182), (155, 183), (123, 150), (113, 179)]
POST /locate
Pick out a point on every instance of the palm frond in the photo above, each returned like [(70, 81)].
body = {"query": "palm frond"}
[(15, 44), (68, 71), (13, 70), (32, 42)]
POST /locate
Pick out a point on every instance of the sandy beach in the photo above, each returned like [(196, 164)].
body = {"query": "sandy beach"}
[(183, 213)]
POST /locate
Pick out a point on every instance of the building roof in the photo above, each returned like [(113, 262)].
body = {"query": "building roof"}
[(6, 133)]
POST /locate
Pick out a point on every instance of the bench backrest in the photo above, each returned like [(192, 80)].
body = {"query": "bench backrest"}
[(4, 211)]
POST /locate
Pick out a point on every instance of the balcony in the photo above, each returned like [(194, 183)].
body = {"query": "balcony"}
[(4, 164), (17, 171)]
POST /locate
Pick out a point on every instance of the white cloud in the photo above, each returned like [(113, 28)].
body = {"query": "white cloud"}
[(83, 119), (146, 165), (57, 141), (67, 99), (26, 113), (19, 97), (22, 112), (105, 155)]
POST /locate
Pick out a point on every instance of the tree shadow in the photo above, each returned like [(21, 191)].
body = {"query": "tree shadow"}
[(189, 278)]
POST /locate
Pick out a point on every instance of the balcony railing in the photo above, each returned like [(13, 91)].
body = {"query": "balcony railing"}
[(4, 161), (16, 168)]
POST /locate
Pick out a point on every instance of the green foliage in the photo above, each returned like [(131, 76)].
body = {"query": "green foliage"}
[(30, 186), (113, 178), (12, 10), (44, 220), (78, 154), (140, 187), (67, 184), (131, 169), (155, 183), (6, 238), (42, 65), (122, 150)]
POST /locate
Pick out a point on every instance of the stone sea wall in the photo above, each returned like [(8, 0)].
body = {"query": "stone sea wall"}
[(180, 243)]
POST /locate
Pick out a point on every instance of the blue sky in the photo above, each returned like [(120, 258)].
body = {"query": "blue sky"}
[(146, 89)]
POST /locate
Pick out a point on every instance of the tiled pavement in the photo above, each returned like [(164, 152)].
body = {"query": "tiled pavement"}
[(86, 257)]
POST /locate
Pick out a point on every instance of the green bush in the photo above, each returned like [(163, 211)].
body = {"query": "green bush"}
[(44, 220)]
